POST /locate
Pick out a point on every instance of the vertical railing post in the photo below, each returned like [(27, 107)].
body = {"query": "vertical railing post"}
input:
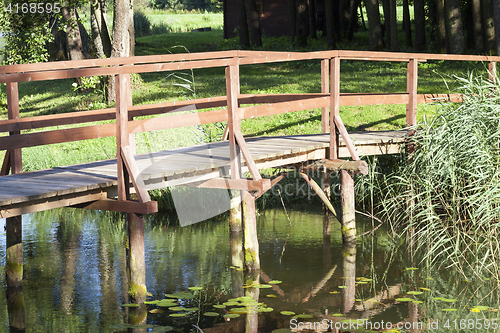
[(325, 89), (131, 138), (233, 121), (411, 90), (122, 134), (334, 106), (14, 260), (492, 71)]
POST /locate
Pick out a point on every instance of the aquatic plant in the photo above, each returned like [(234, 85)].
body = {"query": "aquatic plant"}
[(446, 197)]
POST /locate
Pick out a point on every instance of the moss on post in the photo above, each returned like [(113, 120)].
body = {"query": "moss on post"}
[(348, 208), (14, 260), (251, 242), (136, 260)]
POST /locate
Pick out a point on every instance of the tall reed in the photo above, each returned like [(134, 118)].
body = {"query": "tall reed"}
[(446, 197)]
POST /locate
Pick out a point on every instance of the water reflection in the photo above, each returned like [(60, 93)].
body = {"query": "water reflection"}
[(76, 278)]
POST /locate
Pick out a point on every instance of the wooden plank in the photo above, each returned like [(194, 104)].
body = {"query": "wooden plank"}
[(325, 89), (334, 105), (283, 107), (274, 181), (492, 71), (411, 84), (127, 206), (373, 99), (358, 167), (100, 71), (233, 118), (135, 175), (73, 64), (234, 184), (16, 164), (49, 203)]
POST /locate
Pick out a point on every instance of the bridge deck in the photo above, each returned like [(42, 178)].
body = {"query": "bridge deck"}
[(66, 186)]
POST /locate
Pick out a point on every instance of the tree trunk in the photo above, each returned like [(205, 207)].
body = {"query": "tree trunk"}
[(312, 19), (387, 23), (394, 46), (99, 27), (455, 27), (73, 38), (496, 17), (442, 41), (123, 28), (87, 51), (375, 28), (419, 12), (477, 26), (302, 30), (407, 23), (330, 25), (241, 17), (292, 11), (488, 25), (345, 17), (353, 19), (255, 35)]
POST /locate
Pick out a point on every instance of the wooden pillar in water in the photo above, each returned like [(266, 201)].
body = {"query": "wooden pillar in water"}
[(348, 207), (250, 240), (14, 262), (136, 258)]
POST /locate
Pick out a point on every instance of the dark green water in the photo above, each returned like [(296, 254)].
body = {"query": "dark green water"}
[(75, 278)]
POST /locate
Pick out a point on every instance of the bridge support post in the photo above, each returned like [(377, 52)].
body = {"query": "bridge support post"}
[(348, 208), (136, 260), (14, 262), (235, 230), (250, 240)]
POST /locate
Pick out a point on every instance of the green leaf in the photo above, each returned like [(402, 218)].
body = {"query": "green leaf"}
[(287, 313), (275, 282), (211, 314), (131, 305), (178, 314), (195, 288), (404, 299), (415, 292), (450, 310), (231, 315), (219, 306)]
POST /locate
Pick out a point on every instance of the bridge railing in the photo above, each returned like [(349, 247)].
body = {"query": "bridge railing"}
[(329, 100)]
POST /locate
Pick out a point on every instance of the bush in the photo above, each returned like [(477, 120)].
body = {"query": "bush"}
[(142, 25)]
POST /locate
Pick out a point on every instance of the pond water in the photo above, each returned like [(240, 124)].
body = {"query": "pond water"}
[(75, 279)]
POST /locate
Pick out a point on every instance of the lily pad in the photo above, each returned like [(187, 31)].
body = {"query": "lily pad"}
[(239, 310), (265, 309), (275, 282), (195, 288), (191, 309), (337, 315), (178, 314), (404, 299), (219, 306), (411, 268), (163, 329), (231, 303), (417, 302), (450, 310), (362, 282), (211, 314), (342, 287), (176, 308), (271, 296), (415, 292), (304, 316), (425, 289), (151, 302), (156, 311), (263, 286), (131, 305), (287, 313), (231, 315)]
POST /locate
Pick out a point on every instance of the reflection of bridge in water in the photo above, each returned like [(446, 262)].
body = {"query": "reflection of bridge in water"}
[(109, 185)]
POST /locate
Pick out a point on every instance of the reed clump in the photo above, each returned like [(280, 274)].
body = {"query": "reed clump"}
[(446, 195)]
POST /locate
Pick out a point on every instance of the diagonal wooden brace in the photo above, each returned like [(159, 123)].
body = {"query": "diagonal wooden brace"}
[(135, 175), (125, 206), (6, 164), (274, 181), (345, 136), (252, 167)]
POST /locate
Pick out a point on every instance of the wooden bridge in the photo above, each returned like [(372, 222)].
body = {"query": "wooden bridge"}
[(108, 185)]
